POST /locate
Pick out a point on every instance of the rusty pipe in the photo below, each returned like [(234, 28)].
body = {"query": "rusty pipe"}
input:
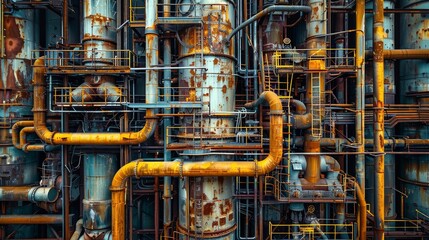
[(205, 168), (31, 194), (360, 93), (21, 141), (378, 101), (15, 128), (31, 219), (362, 212), (402, 53), (92, 138)]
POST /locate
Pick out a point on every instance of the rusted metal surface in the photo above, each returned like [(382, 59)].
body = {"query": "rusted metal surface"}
[(312, 174), (32, 194), (378, 103), (30, 219), (16, 66), (18, 168), (217, 206)]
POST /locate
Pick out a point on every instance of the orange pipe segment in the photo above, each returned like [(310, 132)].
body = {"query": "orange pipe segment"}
[(15, 138), (193, 169), (68, 138), (362, 212)]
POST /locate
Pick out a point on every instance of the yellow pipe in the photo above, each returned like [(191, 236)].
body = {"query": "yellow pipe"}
[(193, 169), (15, 139), (362, 212), (68, 138)]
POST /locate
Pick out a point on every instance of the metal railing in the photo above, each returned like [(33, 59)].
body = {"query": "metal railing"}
[(216, 137), (402, 225), (137, 11), (174, 10), (310, 231), (335, 58), (65, 97), (82, 59)]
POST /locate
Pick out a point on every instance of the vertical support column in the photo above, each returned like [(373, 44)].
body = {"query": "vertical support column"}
[(378, 105), (167, 123), (360, 92)]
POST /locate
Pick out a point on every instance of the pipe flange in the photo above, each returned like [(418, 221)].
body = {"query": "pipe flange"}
[(256, 168), (393, 143), (32, 194), (135, 169), (276, 112), (24, 147), (181, 169)]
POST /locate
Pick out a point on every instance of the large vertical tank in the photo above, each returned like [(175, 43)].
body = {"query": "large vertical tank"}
[(414, 80), (17, 168), (389, 94), (99, 169), (210, 200)]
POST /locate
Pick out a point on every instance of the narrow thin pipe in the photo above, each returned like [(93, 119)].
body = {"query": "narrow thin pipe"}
[(378, 101), (360, 93), (31, 219), (167, 123), (266, 11), (205, 168), (156, 210), (92, 138)]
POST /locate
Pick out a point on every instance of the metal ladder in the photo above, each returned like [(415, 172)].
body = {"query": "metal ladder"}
[(316, 105), (198, 207)]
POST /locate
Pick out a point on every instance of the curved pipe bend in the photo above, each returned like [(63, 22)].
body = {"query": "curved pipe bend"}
[(259, 15), (193, 169), (68, 138)]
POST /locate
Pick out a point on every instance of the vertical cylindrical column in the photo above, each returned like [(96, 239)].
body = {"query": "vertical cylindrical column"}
[(360, 92), (209, 200), (16, 96), (167, 123), (389, 94), (99, 45), (414, 86), (378, 105), (99, 170), (316, 30)]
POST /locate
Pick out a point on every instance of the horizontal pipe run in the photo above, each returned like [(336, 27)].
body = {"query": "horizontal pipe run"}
[(401, 53), (205, 168), (396, 143), (68, 138), (266, 11), (31, 219), (32, 194)]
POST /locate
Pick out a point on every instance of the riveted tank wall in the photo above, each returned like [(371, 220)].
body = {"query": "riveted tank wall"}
[(389, 94), (414, 82)]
